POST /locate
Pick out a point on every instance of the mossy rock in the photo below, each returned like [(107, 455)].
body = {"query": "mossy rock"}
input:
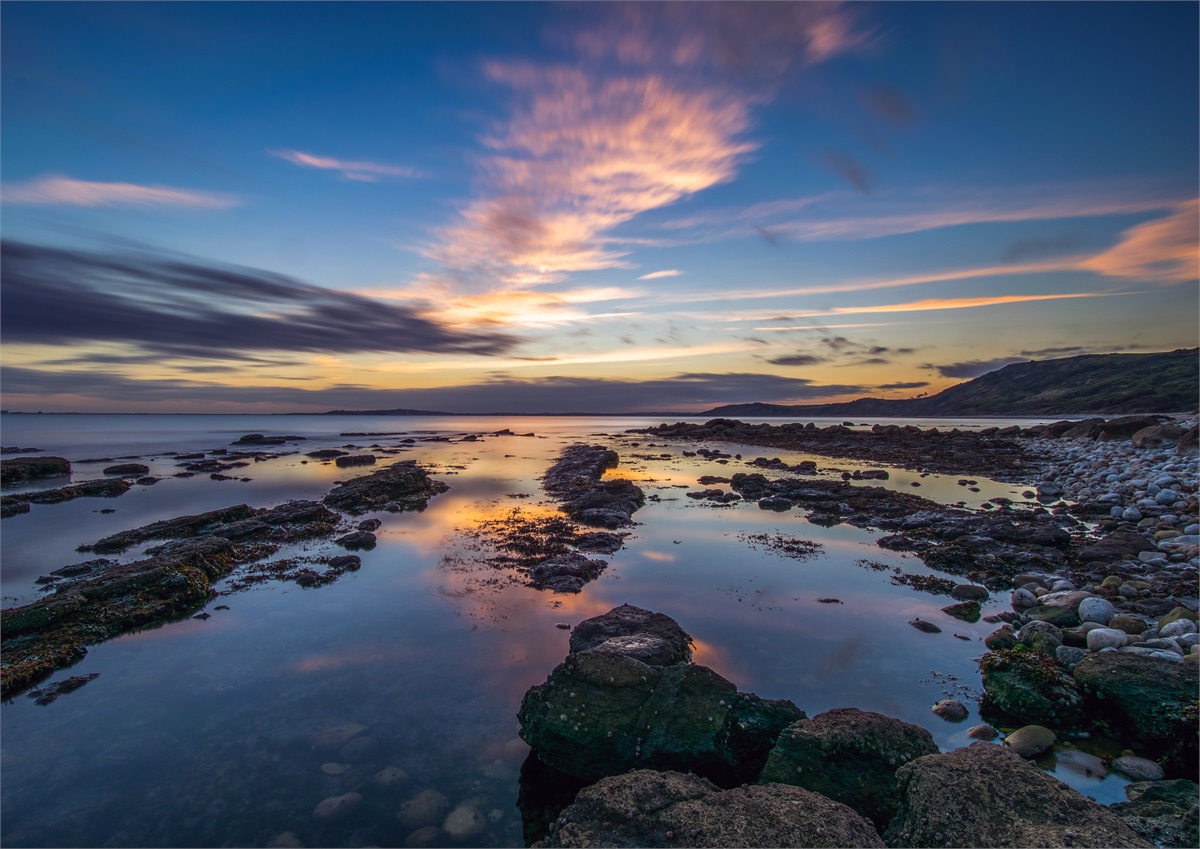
[(1028, 688)]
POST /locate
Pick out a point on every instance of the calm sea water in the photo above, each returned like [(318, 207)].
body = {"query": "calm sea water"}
[(201, 733)]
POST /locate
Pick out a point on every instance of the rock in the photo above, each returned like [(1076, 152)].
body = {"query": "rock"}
[(985, 795), (982, 732), (326, 454), (427, 808), (850, 756), (1002, 638), (401, 486), (429, 835), (1189, 443), (464, 822), (968, 611), (927, 627), (348, 460), (20, 469), (1040, 636), (334, 768), (565, 573), (646, 808), (951, 710), (1061, 617), (574, 481), (369, 525), (1139, 769), (969, 592), (1022, 599), (127, 469), (1105, 638), (337, 807), (1158, 436), (1029, 688), (389, 777), (1163, 812), (357, 541), (661, 642), (1068, 656), (1151, 701), (1128, 624), (1080, 762), (604, 711), (1177, 627), (1096, 610), (1029, 741), (774, 503)]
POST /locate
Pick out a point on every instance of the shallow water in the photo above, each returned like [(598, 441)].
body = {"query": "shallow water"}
[(201, 733)]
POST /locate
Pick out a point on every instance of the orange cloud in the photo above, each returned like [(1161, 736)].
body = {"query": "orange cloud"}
[(962, 303), (58, 190), (1166, 250), (362, 171)]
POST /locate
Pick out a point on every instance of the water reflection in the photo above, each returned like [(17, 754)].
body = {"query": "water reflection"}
[(203, 732)]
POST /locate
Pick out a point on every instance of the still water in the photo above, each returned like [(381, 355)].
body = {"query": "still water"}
[(218, 732)]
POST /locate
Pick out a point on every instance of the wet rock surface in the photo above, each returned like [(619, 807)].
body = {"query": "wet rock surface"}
[(575, 482), (401, 486), (984, 795), (648, 808), (850, 756), (20, 469), (603, 711), (11, 505), (1165, 813)]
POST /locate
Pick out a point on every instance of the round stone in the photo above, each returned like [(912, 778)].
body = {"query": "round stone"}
[(1177, 628), (982, 732), (337, 807), (426, 808), (1139, 769), (951, 710), (464, 822), (1030, 740), (1096, 610), (1105, 638)]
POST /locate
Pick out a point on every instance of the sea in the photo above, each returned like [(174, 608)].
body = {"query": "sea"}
[(231, 730)]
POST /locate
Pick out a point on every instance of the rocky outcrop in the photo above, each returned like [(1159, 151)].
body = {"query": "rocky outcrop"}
[(984, 796), (849, 755), (20, 469), (10, 505), (627, 698), (648, 808), (1028, 687), (401, 486), (1166, 813), (575, 482), (1150, 701)]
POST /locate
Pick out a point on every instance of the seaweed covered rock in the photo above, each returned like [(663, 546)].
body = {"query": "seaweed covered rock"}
[(1166, 813), (648, 808), (850, 756), (1150, 701), (19, 502), (1026, 687), (19, 469), (401, 486), (627, 698), (574, 481), (984, 795)]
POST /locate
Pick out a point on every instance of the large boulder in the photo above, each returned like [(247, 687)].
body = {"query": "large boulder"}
[(627, 698), (1150, 701), (984, 795), (1028, 687), (849, 755), (1164, 812), (647, 808)]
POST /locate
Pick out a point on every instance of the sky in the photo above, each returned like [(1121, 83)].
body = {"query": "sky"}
[(584, 207)]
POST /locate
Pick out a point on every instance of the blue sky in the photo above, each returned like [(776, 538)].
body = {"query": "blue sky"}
[(572, 207)]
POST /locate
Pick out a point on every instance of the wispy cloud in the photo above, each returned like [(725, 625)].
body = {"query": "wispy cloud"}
[(655, 275), (964, 303), (352, 169), (1166, 250), (183, 308), (60, 190), (971, 368)]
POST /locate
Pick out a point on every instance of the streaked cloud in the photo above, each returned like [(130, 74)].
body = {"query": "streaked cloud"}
[(352, 169), (797, 360), (972, 368), (61, 190), (179, 307), (964, 303), (655, 275), (1166, 250), (912, 384)]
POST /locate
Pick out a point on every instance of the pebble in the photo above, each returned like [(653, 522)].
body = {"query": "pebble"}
[(337, 807), (982, 732), (1177, 628), (334, 768), (464, 822), (1030, 740), (1103, 638), (426, 808), (927, 627), (390, 776), (951, 710), (1139, 769), (1081, 762), (1097, 610)]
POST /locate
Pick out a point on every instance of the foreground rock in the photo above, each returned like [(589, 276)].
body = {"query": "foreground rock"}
[(575, 481), (851, 756), (11, 505), (984, 795), (401, 486), (20, 469), (647, 808), (632, 700), (1165, 813)]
